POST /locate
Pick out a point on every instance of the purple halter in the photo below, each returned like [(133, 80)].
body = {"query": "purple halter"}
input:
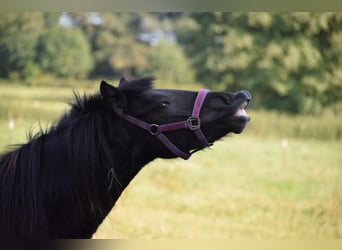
[(193, 123)]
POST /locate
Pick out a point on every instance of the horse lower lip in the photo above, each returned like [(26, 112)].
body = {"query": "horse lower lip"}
[(241, 112)]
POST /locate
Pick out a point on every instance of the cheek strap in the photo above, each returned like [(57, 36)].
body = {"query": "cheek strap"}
[(193, 123)]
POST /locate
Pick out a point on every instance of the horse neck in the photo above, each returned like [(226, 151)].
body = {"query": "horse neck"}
[(131, 155), (96, 167), (105, 155)]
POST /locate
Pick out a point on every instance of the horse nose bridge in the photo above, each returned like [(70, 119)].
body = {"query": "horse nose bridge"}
[(244, 94)]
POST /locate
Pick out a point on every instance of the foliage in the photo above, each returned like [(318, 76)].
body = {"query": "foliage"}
[(115, 45), (65, 52), (19, 33), (290, 61), (167, 62)]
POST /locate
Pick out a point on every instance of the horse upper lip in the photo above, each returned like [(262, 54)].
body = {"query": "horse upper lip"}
[(243, 105)]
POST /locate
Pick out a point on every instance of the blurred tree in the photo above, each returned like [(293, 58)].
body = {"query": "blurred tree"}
[(167, 61), (290, 61), (65, 52), (19, 33), (121, 42), (114, 38), (51, 18)]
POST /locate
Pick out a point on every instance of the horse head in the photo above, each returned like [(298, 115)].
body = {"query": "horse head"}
[(184, 121)]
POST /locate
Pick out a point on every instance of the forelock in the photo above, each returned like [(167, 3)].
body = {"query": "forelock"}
[(137, 85)]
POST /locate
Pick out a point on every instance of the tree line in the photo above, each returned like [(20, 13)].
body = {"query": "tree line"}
[(289, 61)]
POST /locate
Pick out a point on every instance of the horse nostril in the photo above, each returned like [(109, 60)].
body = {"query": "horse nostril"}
[(245, 94)]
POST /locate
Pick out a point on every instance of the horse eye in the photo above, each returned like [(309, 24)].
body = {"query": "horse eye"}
[(163, 105)]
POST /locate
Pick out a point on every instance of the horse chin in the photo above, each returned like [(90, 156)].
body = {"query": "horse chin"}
[(239, 123)]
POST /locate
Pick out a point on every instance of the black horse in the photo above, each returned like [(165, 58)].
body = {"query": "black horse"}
[(64, 181)]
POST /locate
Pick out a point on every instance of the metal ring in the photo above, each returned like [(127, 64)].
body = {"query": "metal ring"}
[(194, 123), (154, 129)]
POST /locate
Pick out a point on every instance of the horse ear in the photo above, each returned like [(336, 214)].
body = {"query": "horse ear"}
[(112, 95), (108, 91), (122, 81)]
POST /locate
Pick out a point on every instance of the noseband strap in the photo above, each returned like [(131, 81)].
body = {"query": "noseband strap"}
[(193, 123)]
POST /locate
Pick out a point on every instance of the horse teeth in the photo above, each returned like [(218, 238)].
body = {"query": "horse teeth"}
[(243, 105)]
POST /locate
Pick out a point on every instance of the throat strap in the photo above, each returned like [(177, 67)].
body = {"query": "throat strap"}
[(193, 123)]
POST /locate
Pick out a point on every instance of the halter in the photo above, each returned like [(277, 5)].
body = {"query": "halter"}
[(193, 123)]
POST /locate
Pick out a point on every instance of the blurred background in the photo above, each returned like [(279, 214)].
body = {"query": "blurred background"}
[(281, 178)]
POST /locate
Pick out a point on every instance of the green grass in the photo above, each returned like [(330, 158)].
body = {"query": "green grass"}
[(322, 127), (281, 178), (245, 187)]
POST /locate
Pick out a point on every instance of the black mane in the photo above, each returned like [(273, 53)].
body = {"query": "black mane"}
[(19, 171), (86, 123)]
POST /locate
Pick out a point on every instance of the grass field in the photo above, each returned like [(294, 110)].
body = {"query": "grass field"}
[(281, 178), (245, 187)]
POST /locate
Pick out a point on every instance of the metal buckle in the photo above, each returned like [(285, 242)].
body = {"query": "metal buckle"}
[(154, 129), (194, 123)]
